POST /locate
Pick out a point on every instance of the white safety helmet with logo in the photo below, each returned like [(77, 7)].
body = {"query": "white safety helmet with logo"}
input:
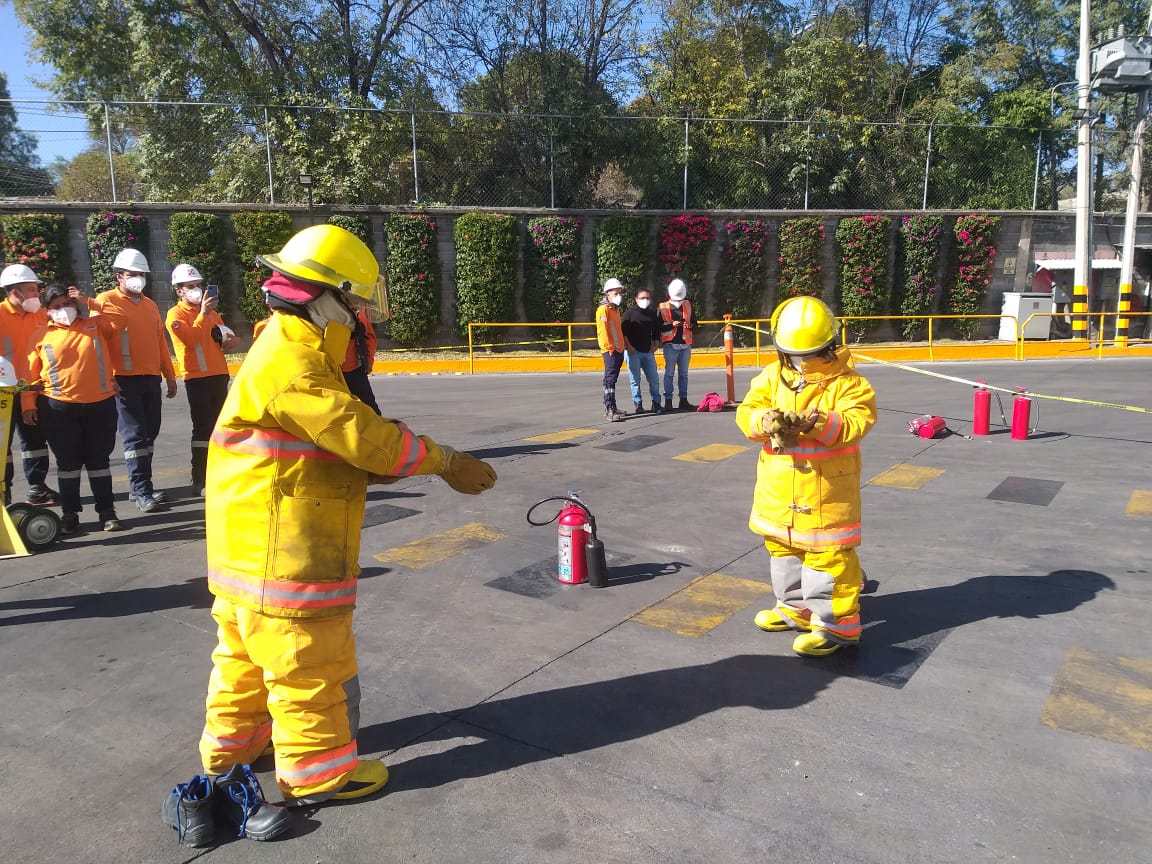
[(677, 290), (182, 273)]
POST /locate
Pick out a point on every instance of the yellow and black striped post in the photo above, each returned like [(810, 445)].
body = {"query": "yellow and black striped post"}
[(1080, 312), (1123, 307)]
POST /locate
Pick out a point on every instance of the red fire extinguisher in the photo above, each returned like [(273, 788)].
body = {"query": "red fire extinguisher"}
[(580, 553), (1021, 413), (927, 425), (981, 408)]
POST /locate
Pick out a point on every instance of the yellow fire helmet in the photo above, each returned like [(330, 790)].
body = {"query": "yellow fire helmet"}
[(803, 325), (332, 257)]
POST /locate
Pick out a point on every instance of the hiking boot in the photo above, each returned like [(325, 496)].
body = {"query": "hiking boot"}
[(109, 522), (369, 776), (240, 805), (70, 523), (667, 404), (188, 809), (41, 496), (149, 503), (638, 407), (159, 496), (685, 405)]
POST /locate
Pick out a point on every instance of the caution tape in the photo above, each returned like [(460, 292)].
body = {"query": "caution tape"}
[(1014, 391), (488, 345)]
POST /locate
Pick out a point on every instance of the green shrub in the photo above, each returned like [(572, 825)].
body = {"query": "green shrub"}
[(553, 264), (361, 226), (413, 278), (485, 270), (921, 250), (110, 231), (975, 255), (198, 239), (257, 233), (621, 252), (800, 270), (742, 277), (863, 242), (39, 240), (684, 242)]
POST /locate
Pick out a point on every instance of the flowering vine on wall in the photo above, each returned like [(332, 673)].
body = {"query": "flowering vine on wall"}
[(553, 262), (975, 254), (921, 236), (684, 244), (741, 286), (800, 269), (413, 278), (863, 243), (36, 240)]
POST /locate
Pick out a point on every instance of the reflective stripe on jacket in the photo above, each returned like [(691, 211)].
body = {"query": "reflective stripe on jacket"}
[(808, 497), (198, 355), (73, 363), (667, 315), (608, 332), (139, 344), (19, 333), (288, 467)]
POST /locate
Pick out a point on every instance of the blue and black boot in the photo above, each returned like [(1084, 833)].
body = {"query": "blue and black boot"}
[(188, 809), (240, 805)]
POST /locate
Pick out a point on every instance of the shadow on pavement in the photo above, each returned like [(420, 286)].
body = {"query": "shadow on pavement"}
[(518, 450)]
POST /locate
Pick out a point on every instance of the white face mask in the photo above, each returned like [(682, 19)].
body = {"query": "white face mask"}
[(32, 304), (194, 295), (615, 299), (644, 304), (64, 316), (677, 303), (134, 284)]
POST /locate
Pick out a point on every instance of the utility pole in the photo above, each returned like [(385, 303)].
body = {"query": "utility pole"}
[(1083, 271)]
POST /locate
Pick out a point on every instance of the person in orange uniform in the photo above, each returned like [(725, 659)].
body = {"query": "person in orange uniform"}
[(678, 322), (611, 338), (139, 361), (22, 323), (358, 359), (200, 339), (77, 409)]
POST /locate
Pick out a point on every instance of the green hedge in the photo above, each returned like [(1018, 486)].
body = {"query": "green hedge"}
[(621, 252), (975, 255), (257, 233), (921, 250), (800, 269), (554, 263), (39, 240), (109, 231), (742, 277), (198, 239), (361, 226), (485, 270), (863, 242), (413, 278)]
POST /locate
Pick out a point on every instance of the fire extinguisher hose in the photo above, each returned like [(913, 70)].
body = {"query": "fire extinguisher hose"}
[(567, 499)]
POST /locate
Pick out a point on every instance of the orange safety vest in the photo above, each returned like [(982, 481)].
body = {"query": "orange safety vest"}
[(139, 344), (666, 309), (198, 355), (352, 354), (73, 363), (19, 333), (608, 331)]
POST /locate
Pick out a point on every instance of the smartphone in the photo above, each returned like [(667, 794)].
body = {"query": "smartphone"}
[(213, 291)]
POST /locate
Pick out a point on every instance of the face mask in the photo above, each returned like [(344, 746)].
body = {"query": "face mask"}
[(64, 316), (32, 304), (644, 304), (615, 299), (677, 303), (134, 284), (194, 295)]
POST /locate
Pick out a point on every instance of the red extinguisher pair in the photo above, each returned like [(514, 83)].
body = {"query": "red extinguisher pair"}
[(982, 407), (580, 554)]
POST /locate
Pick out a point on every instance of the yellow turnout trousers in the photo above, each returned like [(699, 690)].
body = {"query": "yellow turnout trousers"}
[(291, 680), (819, 591)]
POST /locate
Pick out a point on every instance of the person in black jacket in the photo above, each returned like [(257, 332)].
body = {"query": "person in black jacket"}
[(641, 326)]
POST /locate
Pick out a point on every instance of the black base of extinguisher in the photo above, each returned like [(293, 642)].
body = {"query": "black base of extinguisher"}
[(597, 563)]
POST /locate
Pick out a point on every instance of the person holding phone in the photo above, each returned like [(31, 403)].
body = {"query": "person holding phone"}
[(200, 339)]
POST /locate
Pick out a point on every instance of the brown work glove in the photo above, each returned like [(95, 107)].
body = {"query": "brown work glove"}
[(467, 474), (784, 428)]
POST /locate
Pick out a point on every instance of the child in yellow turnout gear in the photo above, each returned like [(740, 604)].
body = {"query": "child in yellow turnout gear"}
[(289, 462), (809, 409)]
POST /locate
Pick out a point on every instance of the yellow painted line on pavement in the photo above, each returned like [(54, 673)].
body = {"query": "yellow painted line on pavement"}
[(1140, 505), (1102, 696), (440, 547), (711, 453), (702, 605), (562, 436), (906, 476)]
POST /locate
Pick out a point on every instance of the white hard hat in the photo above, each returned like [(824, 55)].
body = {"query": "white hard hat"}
[(677, 290), (613, 285), (16, 274), (7, 374), (131, 259), (182, 273)]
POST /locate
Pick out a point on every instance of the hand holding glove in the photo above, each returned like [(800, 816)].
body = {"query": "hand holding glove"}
[(467, 474), (784, 428)]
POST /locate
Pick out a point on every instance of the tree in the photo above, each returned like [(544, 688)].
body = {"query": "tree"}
[(20, 173), (85, 177)]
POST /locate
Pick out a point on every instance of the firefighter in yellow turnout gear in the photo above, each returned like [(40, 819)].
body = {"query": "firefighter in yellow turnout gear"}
[(809, 409), (289, 463)]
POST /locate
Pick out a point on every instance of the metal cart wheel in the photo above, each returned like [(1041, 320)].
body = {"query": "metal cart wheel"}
[(39, 528)]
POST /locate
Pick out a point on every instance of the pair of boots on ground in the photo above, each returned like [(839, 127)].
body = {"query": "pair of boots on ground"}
[(236, 802)]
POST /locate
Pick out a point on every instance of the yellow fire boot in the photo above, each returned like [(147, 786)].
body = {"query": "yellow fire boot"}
[(370, 776), (815, 645), (774, 621)]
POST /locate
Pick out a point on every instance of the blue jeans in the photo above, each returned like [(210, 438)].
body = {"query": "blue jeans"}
[(640, 361), (138, 410), (676, 357)]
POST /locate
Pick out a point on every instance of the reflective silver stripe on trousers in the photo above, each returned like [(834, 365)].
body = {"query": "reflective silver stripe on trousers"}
[(67, 475), (33, 454), (136, 454), (196, 445), (102, 472), (126, 350), (53, 369)]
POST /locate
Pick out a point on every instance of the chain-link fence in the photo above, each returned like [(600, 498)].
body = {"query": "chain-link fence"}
[(244, 154)]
